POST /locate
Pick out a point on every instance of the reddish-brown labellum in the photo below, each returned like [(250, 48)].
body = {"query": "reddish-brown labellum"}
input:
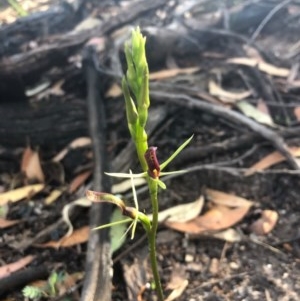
[(152, 162)]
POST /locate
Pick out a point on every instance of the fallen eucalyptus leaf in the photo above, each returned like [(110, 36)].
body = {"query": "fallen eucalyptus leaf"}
[(226, 96), (252, 112), (261, 65), (270, 160), (53, 196), (181, 213), (20, 193), (217, 218), (266, 223), (77, 237), (7, 269), (225, 199), (31, 165), (172, 73)]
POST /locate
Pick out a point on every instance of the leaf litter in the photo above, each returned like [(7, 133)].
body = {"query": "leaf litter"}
[(226, 210), (31, 165), (76, 143), (20, 193), (7, 269), (227, 97), (181, 213), (270, 160), (4, 223), (266, 223), (77, 237)]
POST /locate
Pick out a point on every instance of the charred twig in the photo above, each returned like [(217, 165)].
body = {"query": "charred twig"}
[(269, 16), (62, 46), (97, 283), (26, 243), (270, 135), (22, 278), (195, 153)]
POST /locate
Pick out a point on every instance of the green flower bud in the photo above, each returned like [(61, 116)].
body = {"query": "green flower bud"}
[(131, 111), (143, 101)]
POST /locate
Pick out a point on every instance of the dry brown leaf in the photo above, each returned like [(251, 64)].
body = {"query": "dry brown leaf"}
[(78, 142), (266, 223), (225, 199), (217, 218), (297, 113), (262, 107), (26, 157), (79, 180), (229, 235), (290, 84), (56, 89), (4, 223), (261, 65), (31, 165), (226, 96), (177, 292), (172, 72), (114, 91), (53, 196), (252, 53), (68, 282), (181, 213), (6, 270), (214, 266), (270, 160), (178, 282), (77, 237), (20, 193)]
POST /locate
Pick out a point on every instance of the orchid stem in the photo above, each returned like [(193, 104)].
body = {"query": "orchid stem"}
[(152, 237)]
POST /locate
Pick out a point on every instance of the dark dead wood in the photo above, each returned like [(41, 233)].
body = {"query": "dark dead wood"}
[(235, 117), (19, 279), (192, 154), (57, 19), (53, 123), (97, 283), (57, 48)]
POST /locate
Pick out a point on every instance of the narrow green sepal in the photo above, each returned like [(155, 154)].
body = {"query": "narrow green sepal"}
[(113, 224), (179, 149), (131, 111), (161, 184), (143, 101), (131, 71)]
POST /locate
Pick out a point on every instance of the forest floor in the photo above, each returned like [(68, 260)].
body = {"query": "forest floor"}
[(227, 75)]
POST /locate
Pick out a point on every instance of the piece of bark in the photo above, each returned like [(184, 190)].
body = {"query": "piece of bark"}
[(53, 123)]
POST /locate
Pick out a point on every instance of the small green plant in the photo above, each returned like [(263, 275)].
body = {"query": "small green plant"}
[(48, 290), (135, 86)]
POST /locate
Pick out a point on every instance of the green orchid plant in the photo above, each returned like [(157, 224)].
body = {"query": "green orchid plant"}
[(135, 86)]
